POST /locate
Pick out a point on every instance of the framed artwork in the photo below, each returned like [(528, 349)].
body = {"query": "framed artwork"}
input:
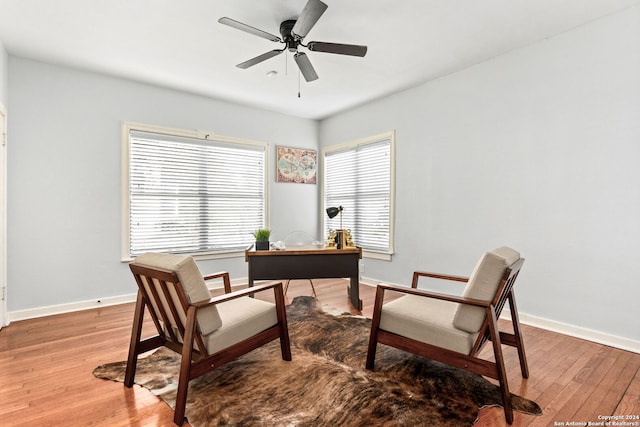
[(298, 165)]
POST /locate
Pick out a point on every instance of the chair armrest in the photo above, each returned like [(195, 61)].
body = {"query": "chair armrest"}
[(435, 295), (225, 278), (237, 294), (418, 274)]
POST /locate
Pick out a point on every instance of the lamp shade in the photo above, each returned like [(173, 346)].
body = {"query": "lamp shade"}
[(333, 211)]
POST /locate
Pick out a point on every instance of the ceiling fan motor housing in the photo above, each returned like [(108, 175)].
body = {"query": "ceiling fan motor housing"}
[(285, 31)]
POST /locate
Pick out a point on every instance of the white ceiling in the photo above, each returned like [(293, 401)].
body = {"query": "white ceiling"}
[(180, 44)]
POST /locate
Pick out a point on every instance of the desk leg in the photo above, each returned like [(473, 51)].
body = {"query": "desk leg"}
[(354, 292)]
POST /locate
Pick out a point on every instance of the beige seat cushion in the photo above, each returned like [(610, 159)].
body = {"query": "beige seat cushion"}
[(426, 320), (241, 318), (192, 282), (483, 284)]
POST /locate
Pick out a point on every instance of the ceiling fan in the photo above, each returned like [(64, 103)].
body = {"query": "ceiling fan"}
[(293, 31)]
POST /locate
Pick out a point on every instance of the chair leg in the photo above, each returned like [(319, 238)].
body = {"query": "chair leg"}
[(500, 368), (185, 367), (524, 367), (136, 331), (375, 324), (285, 345), (373, 347), (181, 401), (313, 289)]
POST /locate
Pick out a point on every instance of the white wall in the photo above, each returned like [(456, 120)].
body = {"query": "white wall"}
[(538, 149), (64, 176)]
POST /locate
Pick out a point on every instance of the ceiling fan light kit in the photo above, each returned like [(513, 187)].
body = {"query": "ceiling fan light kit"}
[(292, 32)]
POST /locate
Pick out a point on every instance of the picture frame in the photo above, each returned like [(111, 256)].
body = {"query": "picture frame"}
[(296, 165)]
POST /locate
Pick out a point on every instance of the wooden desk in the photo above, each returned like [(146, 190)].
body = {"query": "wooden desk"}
[(307, 262)]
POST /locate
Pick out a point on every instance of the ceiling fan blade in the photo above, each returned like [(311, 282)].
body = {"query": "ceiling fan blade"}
[(339, 48), (258, 59), (312, 11), (305, 66), (248, 29)]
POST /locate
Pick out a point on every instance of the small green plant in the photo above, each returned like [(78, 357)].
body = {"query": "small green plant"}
[(262, 234)]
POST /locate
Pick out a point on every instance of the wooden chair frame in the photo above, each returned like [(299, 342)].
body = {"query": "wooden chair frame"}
[(488, 331), (187, 339), (313, 288)]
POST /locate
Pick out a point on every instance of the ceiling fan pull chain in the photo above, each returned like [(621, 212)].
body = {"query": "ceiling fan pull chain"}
[(298, 83)]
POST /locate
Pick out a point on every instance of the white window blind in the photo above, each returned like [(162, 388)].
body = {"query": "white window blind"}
[(358, 177), (188, 195)]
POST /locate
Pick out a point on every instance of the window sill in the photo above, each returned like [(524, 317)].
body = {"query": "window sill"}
[(204, 257), (377, 255)]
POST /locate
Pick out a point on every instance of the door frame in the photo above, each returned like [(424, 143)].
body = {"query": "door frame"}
[(4, 315)]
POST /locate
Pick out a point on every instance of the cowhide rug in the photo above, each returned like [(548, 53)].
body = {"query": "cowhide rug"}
[(325, 384)]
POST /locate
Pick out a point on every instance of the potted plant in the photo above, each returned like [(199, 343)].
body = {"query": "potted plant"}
[(262, 239)]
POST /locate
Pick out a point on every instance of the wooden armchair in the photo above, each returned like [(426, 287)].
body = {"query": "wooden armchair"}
[(207, 332), (453, 329)]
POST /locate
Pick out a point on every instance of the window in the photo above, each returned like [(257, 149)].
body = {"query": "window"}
[(359, 177), (186, 194)]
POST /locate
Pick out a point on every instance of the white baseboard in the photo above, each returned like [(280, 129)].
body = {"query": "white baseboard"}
[(51, 310), (579, 332)]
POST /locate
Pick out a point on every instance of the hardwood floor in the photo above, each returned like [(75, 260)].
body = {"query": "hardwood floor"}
[(46, 369)]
